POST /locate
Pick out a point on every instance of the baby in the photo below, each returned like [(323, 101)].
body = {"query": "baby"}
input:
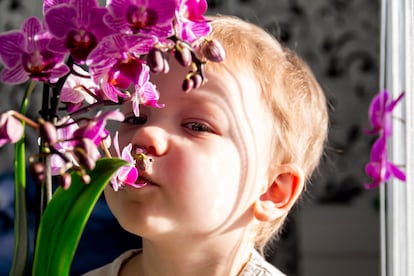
[(228, 160)]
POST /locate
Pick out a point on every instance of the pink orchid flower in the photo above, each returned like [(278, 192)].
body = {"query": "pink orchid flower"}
[(380, 112), (142, 16), (25, 55), (380, 169), (191, 23), (126, 175), (94, 129), (77, 26), (115, 64), (47, 4), (65, 129), (74, 92), (146, 93)]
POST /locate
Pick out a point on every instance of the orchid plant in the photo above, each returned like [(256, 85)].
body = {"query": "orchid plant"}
[(86, 57), (380, 168)]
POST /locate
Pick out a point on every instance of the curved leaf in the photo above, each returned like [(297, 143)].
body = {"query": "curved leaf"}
[(65, 217)]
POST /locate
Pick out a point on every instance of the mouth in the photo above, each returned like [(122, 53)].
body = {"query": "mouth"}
[(142, 182)]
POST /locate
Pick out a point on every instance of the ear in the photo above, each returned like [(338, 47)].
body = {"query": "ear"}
[(286, 184)]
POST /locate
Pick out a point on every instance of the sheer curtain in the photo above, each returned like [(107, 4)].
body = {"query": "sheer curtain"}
[(397, 198)]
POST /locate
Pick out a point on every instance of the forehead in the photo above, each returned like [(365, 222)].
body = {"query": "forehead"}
[(231, 84)]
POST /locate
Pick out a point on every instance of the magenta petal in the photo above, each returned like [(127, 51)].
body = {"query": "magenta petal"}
[(194, 30), (47, 4), (12, 45), (97, 23), (395, 102), (373, 170), (139, 44), (397, 172), (377, 109), (59, 20), (372, 185), (129, 176), (118, 7), (149, 95), (58, 72), (195, 9), (31, 28), (84, 9), (165, 10), (16, 75), (110, 91), (379, 150), (200, 29)]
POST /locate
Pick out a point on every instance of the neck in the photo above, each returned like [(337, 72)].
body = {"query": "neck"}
[(190, 257)]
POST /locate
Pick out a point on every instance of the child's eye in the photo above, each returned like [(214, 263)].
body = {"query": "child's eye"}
[(197, 126), (133, 120)]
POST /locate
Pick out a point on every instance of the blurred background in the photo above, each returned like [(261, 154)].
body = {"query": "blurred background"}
[(334, 230)]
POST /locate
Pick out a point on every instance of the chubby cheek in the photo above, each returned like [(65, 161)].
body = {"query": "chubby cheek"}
[(209, 185)]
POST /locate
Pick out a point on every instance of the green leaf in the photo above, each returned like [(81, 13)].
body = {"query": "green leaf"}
[(65, 217)]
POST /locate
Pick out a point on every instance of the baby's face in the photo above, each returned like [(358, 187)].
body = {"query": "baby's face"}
[(211, 151)]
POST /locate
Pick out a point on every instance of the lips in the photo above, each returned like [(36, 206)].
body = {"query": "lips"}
[(142, 182)]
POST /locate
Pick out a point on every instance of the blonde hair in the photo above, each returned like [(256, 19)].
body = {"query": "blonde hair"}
[(291, 92)]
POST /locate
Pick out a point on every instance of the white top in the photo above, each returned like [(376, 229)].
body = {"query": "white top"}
[(257, 266)]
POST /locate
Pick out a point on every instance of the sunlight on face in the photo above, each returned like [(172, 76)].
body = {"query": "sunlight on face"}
[(211, 151)]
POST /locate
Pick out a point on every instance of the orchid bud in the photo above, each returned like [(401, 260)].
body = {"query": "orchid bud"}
[(85, 153), (48, 132), (187, 85), (65, 180), (86, 178), (157, 61), (182, 54), (212, 50), (38, 171), (197, 80)]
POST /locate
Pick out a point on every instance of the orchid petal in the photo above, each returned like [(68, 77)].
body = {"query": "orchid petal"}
[(58, 71), (84, 8), (59, 20), (31, 28), (11, 47), (397, 172), (16, 75), (47, 4), (11, 129)]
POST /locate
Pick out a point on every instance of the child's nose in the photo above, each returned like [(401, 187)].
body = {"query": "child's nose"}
[(153, 139)]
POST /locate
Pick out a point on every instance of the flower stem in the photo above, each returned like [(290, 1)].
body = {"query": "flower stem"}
[(24, 118), (44, 191), (21, 234)]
